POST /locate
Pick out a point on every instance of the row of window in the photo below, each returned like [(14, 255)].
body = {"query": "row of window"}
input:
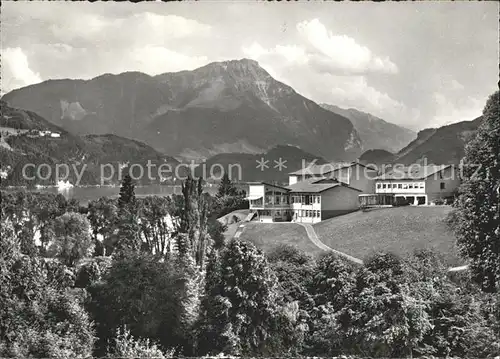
[(277, 200), (306, 199), (308, 213), (269, 213), (413, 185)]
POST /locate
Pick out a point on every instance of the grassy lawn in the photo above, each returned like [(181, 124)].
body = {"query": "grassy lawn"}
[(267, 236), (399, 230)]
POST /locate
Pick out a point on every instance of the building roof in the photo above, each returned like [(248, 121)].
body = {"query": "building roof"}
[(317, 185), (267, 184), (325, 168), (413, 172)]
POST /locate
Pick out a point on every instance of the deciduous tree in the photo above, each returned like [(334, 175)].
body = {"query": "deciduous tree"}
[(478, 204), (71, 239)]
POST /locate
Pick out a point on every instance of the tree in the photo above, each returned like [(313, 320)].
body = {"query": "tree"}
[(330, 287), (143, 293), (71, 239), (102, 215), (228, 198), (39, 316), (381, 317), (92, 270), (294, 270), (226, 187), (478, 204), (127, 193), (192, 238), (333, 280), (156, 224), (31, 215), (216, 231), (129, 240), (459, 327), (15, 210), (241, 310)]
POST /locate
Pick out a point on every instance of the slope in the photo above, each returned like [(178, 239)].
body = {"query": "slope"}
[(444, 145), (400, 230)]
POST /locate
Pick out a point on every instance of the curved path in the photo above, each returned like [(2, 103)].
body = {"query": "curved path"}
[(313, 237), (239, 231)]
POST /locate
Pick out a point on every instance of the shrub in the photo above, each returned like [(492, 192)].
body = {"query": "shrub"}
[(128, 347)]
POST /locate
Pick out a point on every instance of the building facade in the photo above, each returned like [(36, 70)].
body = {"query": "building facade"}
[(420, 185), (270, 202), (307, 201)]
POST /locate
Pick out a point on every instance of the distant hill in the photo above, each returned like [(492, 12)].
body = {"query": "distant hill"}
[(374, 132), (444, 145), (292, 158), (22, 145), (223, 107), (24, 120), (376, 157)]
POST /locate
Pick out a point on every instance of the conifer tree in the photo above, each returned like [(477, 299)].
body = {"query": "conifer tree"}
[(128, 221), (127, 192), (226, 187), (478, 204)]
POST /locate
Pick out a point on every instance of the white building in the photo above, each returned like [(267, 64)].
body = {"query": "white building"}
[(418, 184), (270, 202), (309, 201), (317, 199)]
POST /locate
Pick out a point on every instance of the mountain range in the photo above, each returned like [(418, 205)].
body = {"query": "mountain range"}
[(374, 132), (225, 112), (230, 106)]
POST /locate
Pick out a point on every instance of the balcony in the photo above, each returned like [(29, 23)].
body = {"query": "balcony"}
[(270, 202)]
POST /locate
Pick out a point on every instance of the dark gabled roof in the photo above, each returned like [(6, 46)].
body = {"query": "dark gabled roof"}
[(268, 184), (317, 185), (326, 168), (414, 172)]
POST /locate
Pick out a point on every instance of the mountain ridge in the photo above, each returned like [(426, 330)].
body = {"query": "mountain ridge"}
[(22, 144), (443, 145), (202, 111), (375, 133)]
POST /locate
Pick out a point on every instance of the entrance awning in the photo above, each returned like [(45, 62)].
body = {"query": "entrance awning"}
[(253, 198)]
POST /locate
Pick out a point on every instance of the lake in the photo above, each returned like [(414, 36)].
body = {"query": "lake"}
[(87, 194)]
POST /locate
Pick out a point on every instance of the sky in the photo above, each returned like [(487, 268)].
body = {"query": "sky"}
[(416, 64)]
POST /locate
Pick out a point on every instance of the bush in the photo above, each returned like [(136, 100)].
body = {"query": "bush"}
[(128, 347)]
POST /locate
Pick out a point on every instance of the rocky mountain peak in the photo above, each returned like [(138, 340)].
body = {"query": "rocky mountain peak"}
[(204, 111)]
